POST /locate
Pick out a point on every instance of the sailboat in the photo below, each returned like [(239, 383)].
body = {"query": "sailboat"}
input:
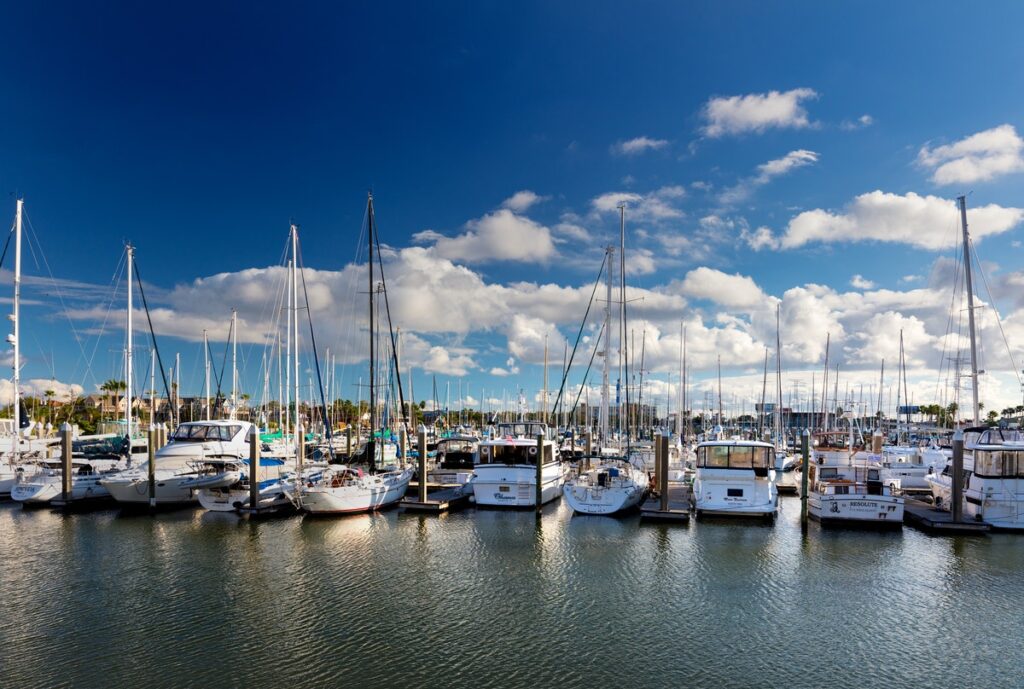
[(618, 482), (345, 489), (18, 458), (993, 475)]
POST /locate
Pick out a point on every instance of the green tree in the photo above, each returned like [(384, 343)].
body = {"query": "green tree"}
[(113, 389)]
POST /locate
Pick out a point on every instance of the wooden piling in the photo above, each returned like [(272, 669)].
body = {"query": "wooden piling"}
[(151, 465), (254, 469), (65, 454), (348, 443), (805, 451), (957, 496), (421, 442), (403, 445), (657, 464), (662, 441), (588, 439), (540, 472)]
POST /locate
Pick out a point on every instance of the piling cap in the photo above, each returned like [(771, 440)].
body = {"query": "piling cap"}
[(66, 427), (958, 435), (253, 433), (153, 427), (421, 429), (807, 432)]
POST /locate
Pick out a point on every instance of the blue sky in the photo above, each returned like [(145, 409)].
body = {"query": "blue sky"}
[(199, 132)]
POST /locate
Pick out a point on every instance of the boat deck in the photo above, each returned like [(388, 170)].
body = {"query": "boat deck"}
[(678, 506), (925, 517), (438, 501)]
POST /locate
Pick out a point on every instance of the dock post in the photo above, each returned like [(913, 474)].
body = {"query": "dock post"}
[(662, 441), (805, 450), (300, 459), (657, 464), (421, 443), (403, 444), (164, 432), (958, 476), (540, 472), (151, 465), (348, 444), (588, 440), (65, 454), (254, 473)]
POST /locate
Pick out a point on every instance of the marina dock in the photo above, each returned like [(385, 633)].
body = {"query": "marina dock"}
[(438, 501), (927, 518), (678, 510)]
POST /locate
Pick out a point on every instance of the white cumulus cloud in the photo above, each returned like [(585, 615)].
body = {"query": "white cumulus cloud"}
[(977, 158), (860, 282), (756, 112), (638, 145), (521, 201), (499, 236), (928, 222)]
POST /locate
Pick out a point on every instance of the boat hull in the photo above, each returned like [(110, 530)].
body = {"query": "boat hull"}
[(863, 511), (366, 495), (515, 486), (598, 500), (134, 491)]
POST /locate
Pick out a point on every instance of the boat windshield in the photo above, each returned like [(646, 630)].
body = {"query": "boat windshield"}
[(999, 463), (201, 432), (734, 457), (513, 454), (522, 430)]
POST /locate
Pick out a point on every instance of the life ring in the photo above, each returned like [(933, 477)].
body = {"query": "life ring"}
[(533, 450)]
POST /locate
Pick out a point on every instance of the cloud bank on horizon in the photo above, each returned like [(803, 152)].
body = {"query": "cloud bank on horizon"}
[(486, 299)]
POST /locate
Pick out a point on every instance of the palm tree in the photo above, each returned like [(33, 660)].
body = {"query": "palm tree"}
[(113, 387), (49, 394)]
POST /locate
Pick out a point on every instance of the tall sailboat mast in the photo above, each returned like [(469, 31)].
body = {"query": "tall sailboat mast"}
[(970, 309), (16, 335), (295, 325), (288, 353), (128, 349), (779, 435), (606, 369), (206, 369), (234, 364), (370, 445)]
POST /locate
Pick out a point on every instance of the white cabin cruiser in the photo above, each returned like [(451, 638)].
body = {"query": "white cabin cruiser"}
[(38, 488), (614, 485), (199, 454), (276, 478), (906, 469), (506, 475), (994, 490), (456, 457), (843, 493), (736, 478)]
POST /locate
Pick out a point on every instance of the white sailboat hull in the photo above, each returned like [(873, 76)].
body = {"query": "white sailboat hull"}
[(369, 493), (622, 493)]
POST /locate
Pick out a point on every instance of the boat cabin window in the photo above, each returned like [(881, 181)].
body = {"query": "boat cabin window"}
[(200, 432), (999, 463), (513, 454), (734, 457), (524, 429)]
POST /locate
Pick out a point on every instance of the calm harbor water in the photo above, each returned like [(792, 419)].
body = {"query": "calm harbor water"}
[(499, 599)]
